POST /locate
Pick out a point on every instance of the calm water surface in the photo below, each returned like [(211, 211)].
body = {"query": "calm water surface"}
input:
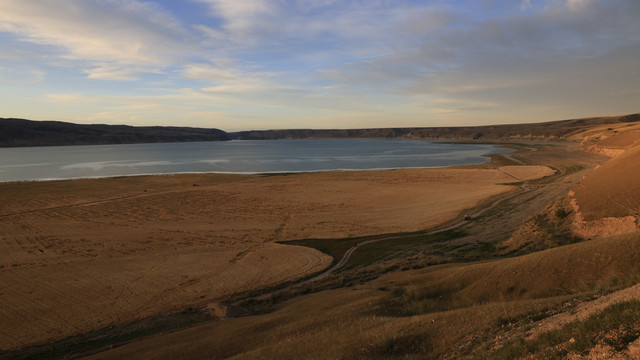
[(247, 156)]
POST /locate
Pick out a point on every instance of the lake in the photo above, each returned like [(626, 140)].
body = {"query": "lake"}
[(238, 156)]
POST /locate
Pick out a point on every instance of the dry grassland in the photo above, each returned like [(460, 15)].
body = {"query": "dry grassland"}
[(362, 322), (80, 255)]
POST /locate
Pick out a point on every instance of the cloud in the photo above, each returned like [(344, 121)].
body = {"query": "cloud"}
[(476, 54), (304, 26), (244, 17), (107, 36), (115, 72), (21, 75), (230, 80), (578, 5), (208, 72)]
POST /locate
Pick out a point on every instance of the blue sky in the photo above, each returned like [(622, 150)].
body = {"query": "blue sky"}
[(267, 64)]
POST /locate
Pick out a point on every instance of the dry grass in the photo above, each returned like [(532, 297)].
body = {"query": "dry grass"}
[(427, 312), (613, 190), (82, 255), (616, 326), (547, 229)]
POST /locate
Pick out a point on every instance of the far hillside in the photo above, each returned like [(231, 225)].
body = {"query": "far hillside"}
[(562, 130), (20, 132)]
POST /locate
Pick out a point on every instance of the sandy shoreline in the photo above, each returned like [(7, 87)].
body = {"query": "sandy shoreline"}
[(76, 255)]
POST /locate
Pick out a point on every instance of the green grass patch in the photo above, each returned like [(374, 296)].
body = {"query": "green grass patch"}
[(573, 169), (369, 253), (480, 248)]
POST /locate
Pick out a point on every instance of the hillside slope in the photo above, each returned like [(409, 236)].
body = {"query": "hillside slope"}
[(612, 190), (562, 130), (20, 132), (607, 201)]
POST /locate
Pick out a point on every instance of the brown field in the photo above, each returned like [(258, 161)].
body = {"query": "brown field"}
[(83, 254), (87, 255)]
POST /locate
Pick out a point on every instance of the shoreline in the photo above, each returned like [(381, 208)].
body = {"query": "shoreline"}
[(266, 173), (476, 160)]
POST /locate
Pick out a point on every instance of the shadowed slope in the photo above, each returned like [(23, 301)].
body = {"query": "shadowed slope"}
[(20, 132)]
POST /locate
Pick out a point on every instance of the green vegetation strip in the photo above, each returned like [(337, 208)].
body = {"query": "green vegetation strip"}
[(616, 326), (386, 245)]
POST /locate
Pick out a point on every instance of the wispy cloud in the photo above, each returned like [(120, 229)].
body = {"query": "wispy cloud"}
[(108, 37), (523, 58), (245, 18)]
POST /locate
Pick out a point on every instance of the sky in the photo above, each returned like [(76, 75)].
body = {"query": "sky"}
[(273, 64)]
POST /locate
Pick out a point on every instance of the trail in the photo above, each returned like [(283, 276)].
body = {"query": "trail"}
[(458, 224), (545, 190), (87, 203), (95, 202)]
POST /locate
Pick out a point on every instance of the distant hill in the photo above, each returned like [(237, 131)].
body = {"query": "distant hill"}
[(547, 131), (20, 132)]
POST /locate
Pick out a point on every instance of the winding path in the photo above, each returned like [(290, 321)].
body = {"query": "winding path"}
[(479, 211), (524, 187)]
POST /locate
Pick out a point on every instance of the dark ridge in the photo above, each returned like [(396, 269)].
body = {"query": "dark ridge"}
[(20, 132)]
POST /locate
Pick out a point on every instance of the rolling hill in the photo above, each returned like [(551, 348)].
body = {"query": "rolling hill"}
[(20, 132)]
